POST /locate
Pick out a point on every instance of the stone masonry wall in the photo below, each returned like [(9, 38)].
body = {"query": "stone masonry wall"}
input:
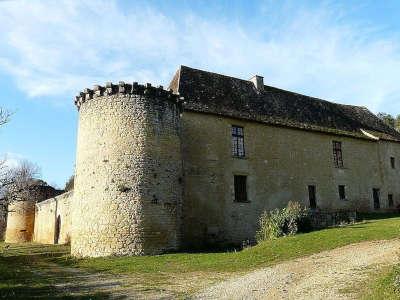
[(48, 214), (20, 222), (279, 164), (127, 194), (3, 221)]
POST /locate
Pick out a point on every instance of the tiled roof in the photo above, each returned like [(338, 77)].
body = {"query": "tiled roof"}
[(213, 93)]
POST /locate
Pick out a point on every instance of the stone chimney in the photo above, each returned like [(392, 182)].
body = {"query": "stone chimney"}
[(258, 82)]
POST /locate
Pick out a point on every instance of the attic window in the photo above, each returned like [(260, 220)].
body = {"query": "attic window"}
[(337, 154), (237, 141)]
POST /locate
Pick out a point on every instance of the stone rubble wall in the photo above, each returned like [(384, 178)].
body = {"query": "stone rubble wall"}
[(20, 222), (321, 220), (47, 213), (3, 222), (127, 193)]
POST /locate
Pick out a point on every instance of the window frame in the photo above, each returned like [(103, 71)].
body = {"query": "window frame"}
[(240, 188), (237, 140), (337, 154)]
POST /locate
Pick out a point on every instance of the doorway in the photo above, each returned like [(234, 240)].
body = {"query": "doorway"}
[(57, 230), (312, 196), (375, 193)]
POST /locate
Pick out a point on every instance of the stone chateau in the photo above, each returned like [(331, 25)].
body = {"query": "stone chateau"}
[(195, 165)]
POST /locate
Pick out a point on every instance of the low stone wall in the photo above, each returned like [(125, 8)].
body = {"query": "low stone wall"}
[(321, 220), (52, 221)]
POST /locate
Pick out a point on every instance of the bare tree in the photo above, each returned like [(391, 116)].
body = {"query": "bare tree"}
[(17, 182), (4, 116)]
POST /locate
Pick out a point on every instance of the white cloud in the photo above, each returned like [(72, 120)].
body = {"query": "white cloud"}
[(58, 48)]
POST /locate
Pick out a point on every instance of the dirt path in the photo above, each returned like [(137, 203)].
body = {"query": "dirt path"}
[(326, 275)]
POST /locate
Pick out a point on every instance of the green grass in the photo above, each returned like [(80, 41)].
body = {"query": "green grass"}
[(182, 273), (383, 286), (264, 254), (25, 272)]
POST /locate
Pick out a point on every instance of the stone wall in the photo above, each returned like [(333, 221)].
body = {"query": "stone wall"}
[(321, 220), (53, 220), (127, 194), (3, 221), (280, 163), (20, 222), (21, 213)]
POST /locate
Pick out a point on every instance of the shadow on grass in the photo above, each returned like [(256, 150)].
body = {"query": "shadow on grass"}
[(33, 276), (47, 292)]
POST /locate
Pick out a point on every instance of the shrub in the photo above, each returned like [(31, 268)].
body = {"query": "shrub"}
[(281, 222)]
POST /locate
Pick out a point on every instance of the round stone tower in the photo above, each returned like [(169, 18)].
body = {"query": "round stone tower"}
[(21, 213), (127, 191), (20, 221)]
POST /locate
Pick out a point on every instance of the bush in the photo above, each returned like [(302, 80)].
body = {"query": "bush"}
[(281, 222)]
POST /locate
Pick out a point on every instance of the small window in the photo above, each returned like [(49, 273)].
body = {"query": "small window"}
[(342, 192), (337, 154), (240, 183), (312, 196), (237, 141), (390, 200), (392, 163)]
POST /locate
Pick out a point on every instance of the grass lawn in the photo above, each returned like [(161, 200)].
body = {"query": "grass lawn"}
[(261, 255), (384, 285), (27, 272), (186, 272)]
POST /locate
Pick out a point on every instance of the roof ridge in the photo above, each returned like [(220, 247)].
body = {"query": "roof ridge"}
[(269, 86)]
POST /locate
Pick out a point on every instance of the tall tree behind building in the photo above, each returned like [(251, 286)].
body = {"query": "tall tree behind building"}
[(388, 119)]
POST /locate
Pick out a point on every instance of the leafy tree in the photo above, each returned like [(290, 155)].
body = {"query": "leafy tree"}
[(69, 185), (397, 123), (388, 119)]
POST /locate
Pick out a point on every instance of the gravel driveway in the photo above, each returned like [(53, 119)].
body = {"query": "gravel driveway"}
[(326, 275)]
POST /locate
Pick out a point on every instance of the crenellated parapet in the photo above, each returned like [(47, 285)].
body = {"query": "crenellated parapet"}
[(126, 89)]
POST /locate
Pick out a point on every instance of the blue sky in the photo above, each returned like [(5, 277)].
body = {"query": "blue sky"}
[(345, 51)]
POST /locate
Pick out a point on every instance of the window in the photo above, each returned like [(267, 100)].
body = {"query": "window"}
[(342, 192), (392, 163), (390, 200), (337, 154), (312, 196), (237, 141), (240, 183), (375, 194)]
